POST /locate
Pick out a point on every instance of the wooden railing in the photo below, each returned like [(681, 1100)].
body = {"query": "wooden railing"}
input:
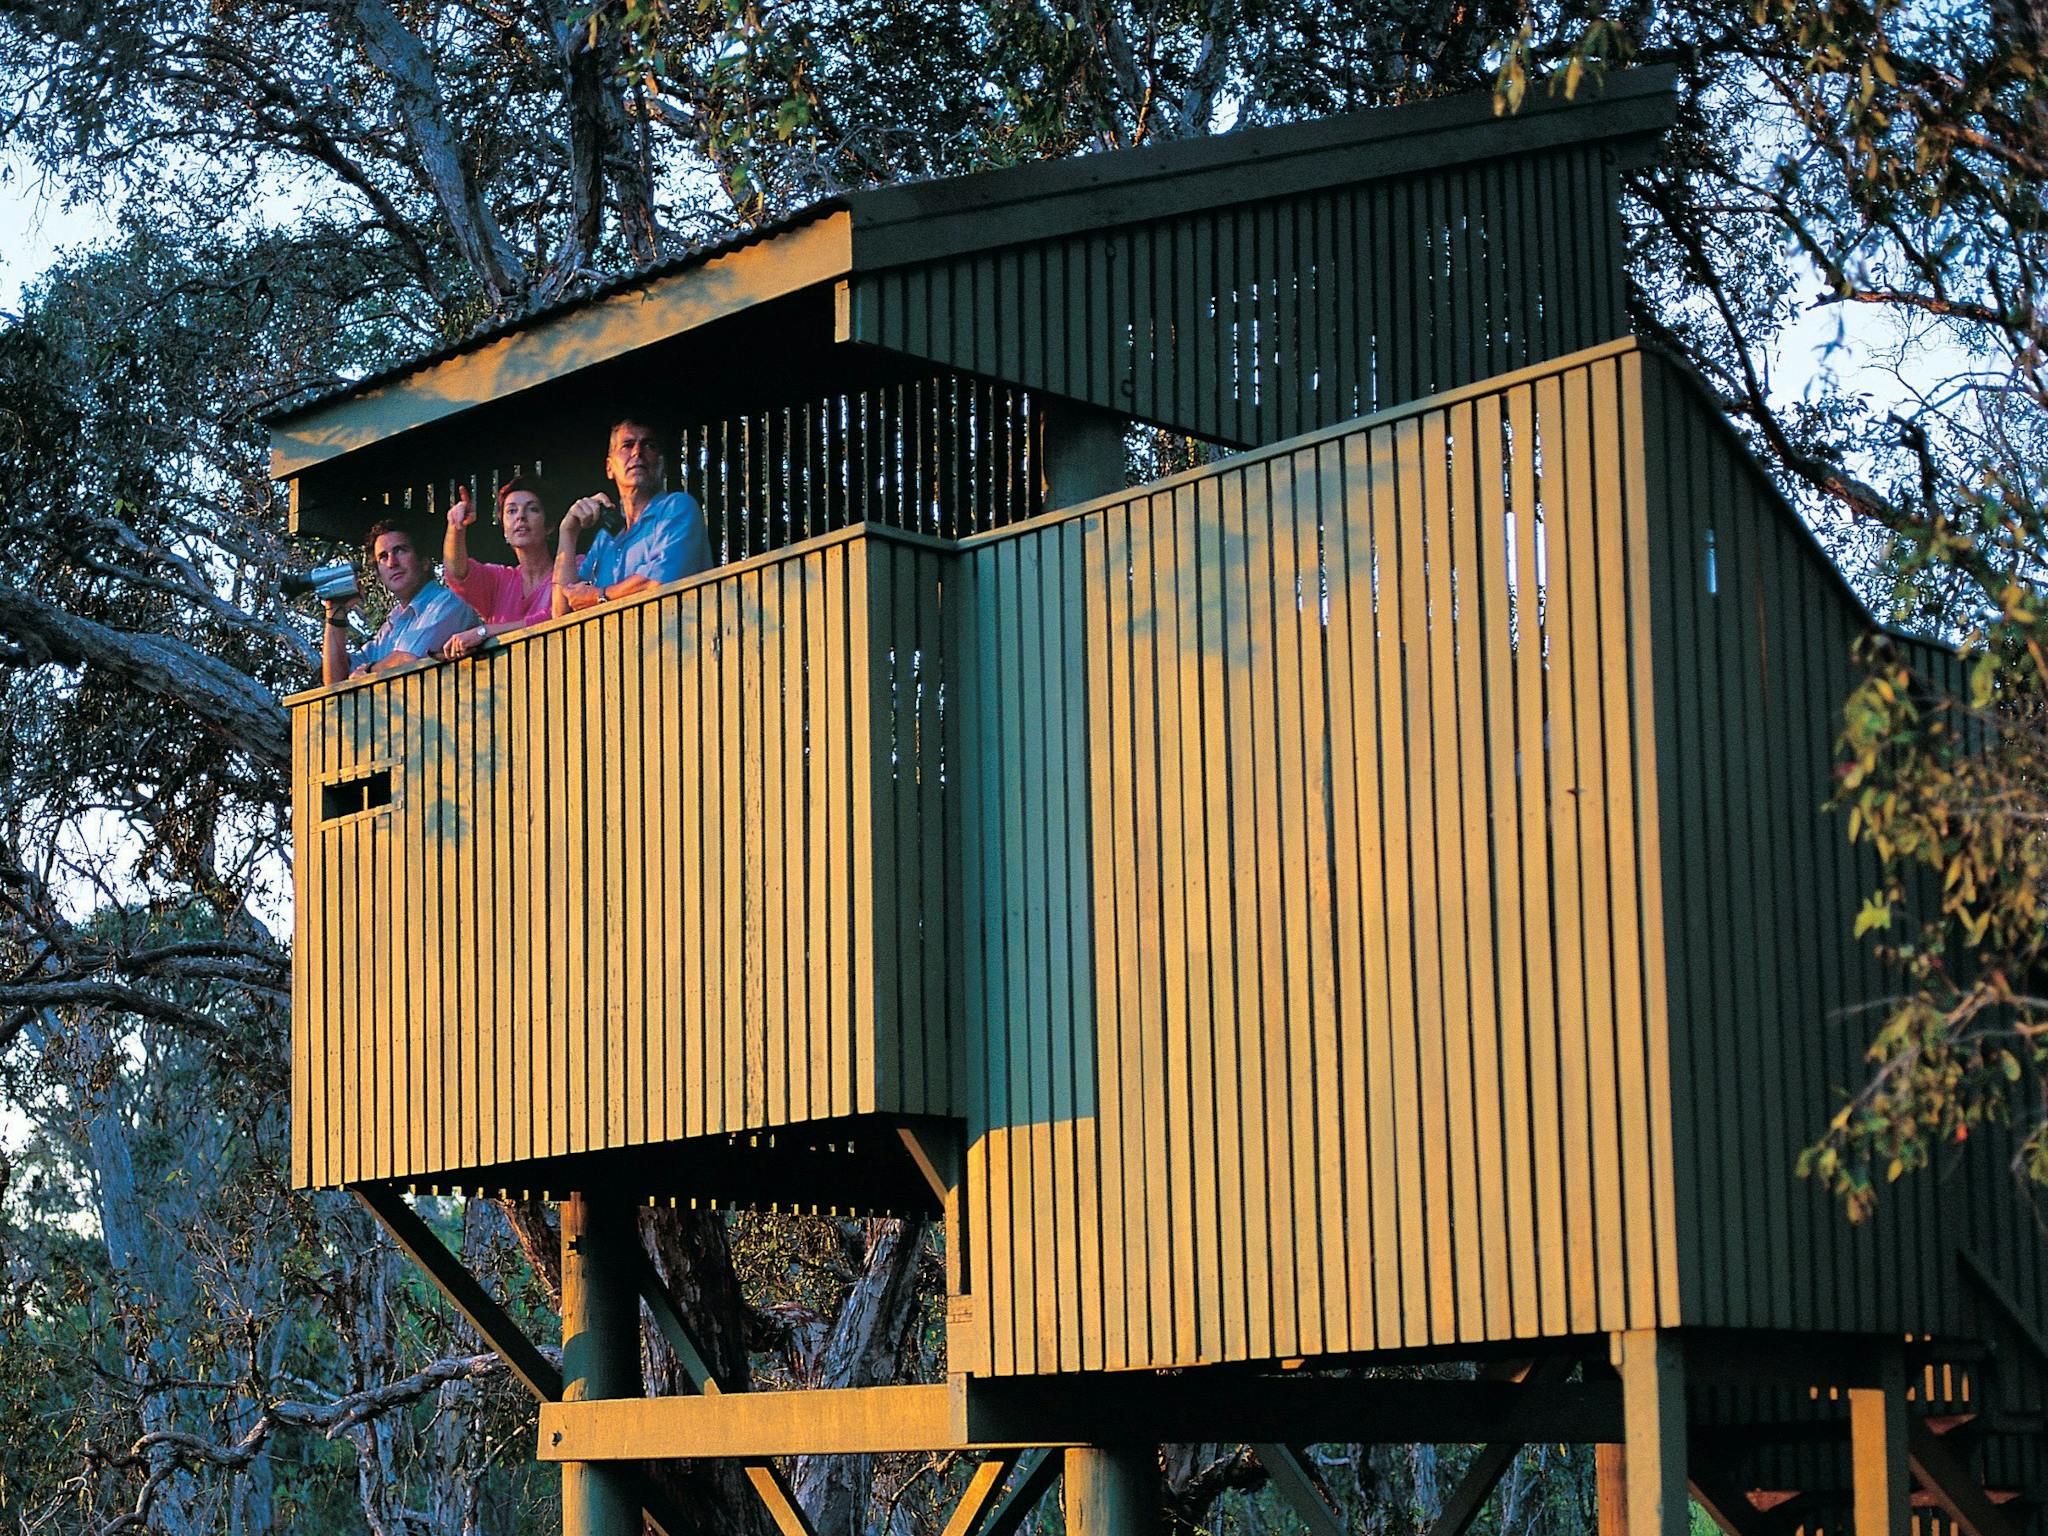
[(663, 870)]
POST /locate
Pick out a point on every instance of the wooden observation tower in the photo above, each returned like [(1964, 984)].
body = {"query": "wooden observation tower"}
[(1361, 902)]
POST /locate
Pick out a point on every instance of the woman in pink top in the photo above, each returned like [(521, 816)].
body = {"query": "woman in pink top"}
[(506, 597)]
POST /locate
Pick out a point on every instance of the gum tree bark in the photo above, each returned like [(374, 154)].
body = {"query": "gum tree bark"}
[(862, 1349), (416, 96)]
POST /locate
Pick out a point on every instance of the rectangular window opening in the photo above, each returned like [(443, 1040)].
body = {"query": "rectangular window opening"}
[(349, 797)]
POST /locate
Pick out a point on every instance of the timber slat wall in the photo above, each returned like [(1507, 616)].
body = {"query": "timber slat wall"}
[(1398, 909), (1309, 957), (662, 871), (1371, 893), (1257, 322), (1771, 1004)]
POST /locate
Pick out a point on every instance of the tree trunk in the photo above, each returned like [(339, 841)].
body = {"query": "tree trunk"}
[(399, 56), (369, 1268), (693, 1257), (118, 1204), (228, 702), (539, 1240), (606, 162), (862, 1350)]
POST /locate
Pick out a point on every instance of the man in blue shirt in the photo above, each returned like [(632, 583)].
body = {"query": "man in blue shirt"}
[(664, 538), (424, 614)]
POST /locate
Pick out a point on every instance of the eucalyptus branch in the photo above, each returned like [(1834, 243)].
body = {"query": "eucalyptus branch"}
[(165, 1453)]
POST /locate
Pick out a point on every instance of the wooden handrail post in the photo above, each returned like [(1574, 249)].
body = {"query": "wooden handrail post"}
[(600, 1350)]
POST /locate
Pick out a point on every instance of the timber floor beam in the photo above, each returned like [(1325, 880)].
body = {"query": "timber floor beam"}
[(1015, 1415), (827, 1421), (1736, 1357), (1295, 1409)]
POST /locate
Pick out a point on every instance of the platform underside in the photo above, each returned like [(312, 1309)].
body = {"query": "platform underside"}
[(856, 1165)]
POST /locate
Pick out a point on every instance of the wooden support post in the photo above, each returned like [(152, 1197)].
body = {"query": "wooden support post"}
[(1081, 453), (1610, 1489), (1652, 1366), (1111, 1491), (600, 1350), (1880, 1477)]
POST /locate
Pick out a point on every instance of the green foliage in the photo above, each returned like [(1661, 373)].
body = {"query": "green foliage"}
[(1947, 787), (1930, 199), (280, 233)]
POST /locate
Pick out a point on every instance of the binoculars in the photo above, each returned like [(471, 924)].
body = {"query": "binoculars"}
[(329, 583)]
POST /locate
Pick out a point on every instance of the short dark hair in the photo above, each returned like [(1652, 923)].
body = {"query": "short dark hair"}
[(382, 526), (519, 483)]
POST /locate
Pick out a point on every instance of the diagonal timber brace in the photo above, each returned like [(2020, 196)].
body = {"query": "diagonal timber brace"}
[(1290, 1478), (764, 1475), (451, 1277), (541, 1376), (1040, 1469), (979, 1495), (538, 1374), (1494, 1459), (1723, 1502), (1992, 1289), (1943, 1474)]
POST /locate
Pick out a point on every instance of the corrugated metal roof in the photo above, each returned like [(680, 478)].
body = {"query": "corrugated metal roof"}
[(916, 221), (505, 325)]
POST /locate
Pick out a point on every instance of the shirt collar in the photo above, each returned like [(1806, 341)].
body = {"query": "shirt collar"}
[(419, 600)]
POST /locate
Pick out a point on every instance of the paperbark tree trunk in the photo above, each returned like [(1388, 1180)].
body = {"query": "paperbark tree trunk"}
[(401, 58), (862, 1350), (694, 1259), (226, 701)]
